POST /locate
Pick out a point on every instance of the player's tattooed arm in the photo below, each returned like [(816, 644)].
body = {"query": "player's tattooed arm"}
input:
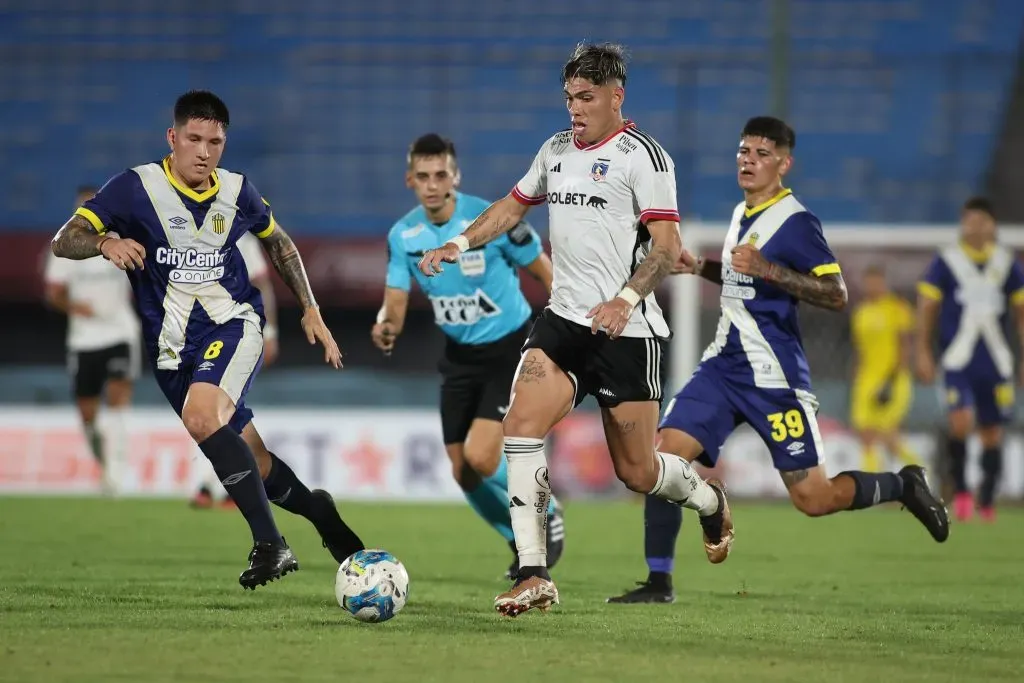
[(825, 291), (284, 255), (665, 251), (77, 240), (496, 220), (794, 477)]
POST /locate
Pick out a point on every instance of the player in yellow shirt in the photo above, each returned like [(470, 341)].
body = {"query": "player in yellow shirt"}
[(882, 386)]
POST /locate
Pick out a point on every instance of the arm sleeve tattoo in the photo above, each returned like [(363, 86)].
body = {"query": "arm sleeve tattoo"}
[(284, 255)]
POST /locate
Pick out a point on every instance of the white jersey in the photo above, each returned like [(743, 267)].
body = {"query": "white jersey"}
[(599, 198), (252, 254), (100, 284)]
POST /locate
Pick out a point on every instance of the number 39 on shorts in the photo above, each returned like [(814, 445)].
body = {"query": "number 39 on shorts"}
[(788, 424), (213, 350)]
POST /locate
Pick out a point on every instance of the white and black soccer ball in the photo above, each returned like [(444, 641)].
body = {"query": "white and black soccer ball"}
[(372, 585)]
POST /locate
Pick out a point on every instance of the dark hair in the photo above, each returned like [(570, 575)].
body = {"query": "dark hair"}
[(201, 105), (431, 145), (982, 204), (771, 128), (599, 63)]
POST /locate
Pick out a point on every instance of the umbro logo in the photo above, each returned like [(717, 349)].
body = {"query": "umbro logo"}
[(205, 365), (232, 479), (516, 503), (557, 168), (178, 223)]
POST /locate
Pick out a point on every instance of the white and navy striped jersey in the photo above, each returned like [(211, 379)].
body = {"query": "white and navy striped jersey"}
[(195, 279), (599, 199), (976, 289), (758, 337)]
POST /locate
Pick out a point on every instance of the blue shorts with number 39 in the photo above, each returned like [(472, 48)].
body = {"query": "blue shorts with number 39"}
[(712, 405)]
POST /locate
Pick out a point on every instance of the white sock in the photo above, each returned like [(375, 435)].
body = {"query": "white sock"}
[(115, 446), (680, 484), (528, 492)]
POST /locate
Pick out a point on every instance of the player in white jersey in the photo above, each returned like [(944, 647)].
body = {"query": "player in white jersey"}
[(614, 223), (102, 348), (210, 490)]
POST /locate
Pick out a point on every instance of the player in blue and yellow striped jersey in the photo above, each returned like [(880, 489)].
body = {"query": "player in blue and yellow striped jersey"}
[(178, 221), (967, 291), (479, 305)]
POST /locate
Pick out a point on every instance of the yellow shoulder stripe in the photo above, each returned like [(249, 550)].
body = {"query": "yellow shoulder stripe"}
[(1017, 298), (265, 232), (929, 291), (92, 218), (826, 269)]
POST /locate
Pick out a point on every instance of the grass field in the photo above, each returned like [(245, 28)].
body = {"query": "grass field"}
[(94, 590)]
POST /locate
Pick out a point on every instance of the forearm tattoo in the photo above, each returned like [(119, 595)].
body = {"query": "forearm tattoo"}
[(827, 291), (653, 270), (76, 240), (284, 255), (492, 223)]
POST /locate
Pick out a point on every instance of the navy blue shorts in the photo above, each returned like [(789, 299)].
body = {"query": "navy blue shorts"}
[(230, 357), (711, 406), (982, 387)]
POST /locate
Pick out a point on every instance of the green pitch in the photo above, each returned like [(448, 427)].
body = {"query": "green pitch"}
[(104, 591)]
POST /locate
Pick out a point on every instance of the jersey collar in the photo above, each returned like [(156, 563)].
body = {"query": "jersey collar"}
[(978, 255), (764, 205), (586, 148), (188, 191)]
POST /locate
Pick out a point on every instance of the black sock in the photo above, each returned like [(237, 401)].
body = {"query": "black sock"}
[(662, 522), (286, 491), (991, 468), (235, 465), (958, 463), (874, 489)]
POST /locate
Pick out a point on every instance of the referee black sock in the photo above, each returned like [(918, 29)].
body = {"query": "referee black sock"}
[(957, 449), (235, 466), (286, 491)]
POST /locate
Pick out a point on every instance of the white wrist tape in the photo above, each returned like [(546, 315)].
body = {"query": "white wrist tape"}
[(631, 297), (460, 241), (269, 331)]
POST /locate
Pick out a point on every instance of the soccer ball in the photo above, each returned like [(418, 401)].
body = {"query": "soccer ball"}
[(372, 585)]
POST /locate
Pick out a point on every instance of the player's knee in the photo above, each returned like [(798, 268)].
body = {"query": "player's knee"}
[(960, 424), (815, 503), (480, 460), (637, 477), (200, 424)]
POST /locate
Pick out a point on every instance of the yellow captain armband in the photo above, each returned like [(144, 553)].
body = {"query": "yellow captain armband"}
[(93, 219), (929, 291), (826, 269), (265, 232)]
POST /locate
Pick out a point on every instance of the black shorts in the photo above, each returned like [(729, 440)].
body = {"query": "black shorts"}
[(90, 370), (613, 371), (476, 383)]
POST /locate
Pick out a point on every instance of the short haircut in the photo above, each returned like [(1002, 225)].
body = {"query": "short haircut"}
[(200, 105), (771, 128), (983, 204), (431, 145), (599, 63)]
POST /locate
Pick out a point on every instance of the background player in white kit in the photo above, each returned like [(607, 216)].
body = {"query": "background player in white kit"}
[(102, 348), (614, 229), (211, 492)]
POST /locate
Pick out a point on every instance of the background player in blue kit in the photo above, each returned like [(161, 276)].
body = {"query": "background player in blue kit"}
[(479, 306), (179, 220), (968, 289), (755, 370)]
